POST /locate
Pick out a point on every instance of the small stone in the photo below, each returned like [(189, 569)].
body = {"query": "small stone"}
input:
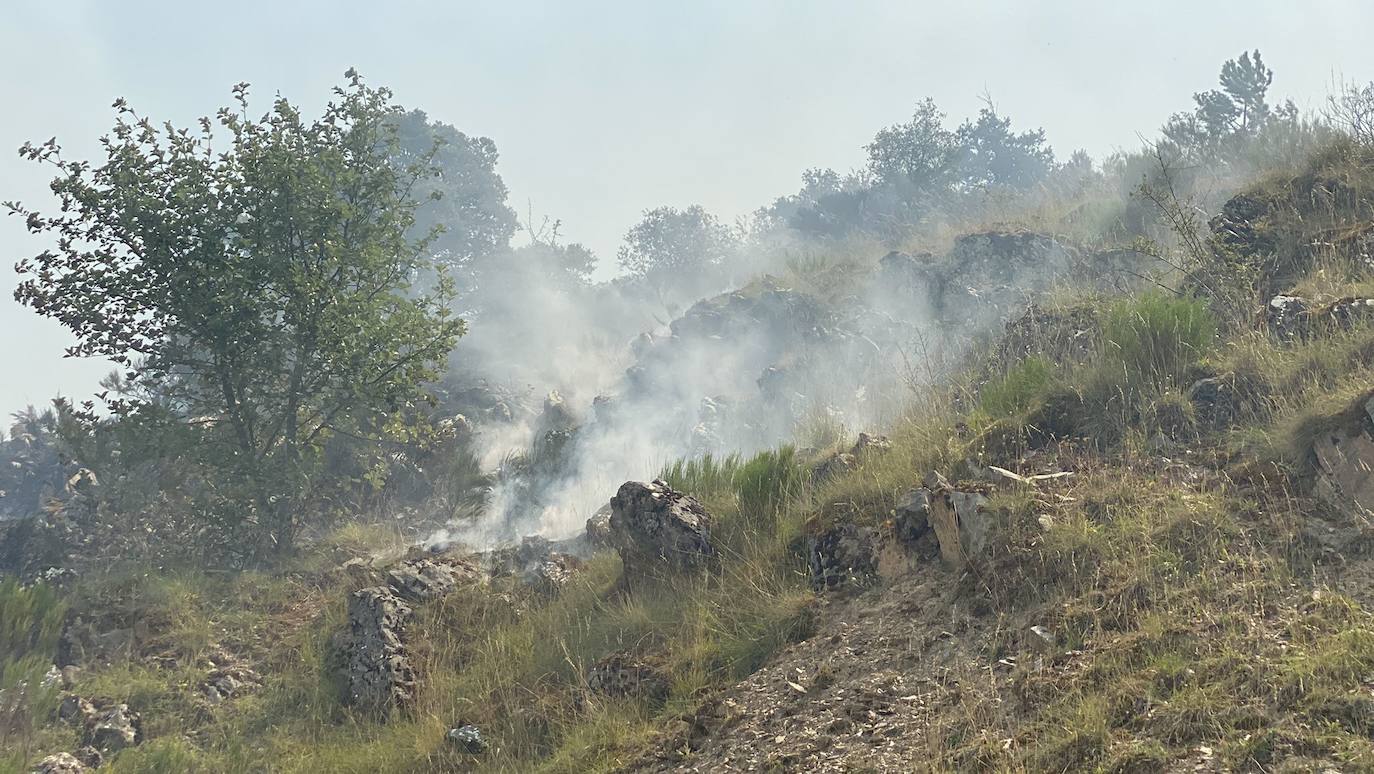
[(1042, 639), (468, 738), (61, 763)]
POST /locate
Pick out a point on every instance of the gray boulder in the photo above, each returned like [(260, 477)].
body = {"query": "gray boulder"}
[(1287, 317), (911, 517), (655, 527), (844, 555), (599, 528), (113, 729), (959, 519), (420, 580)]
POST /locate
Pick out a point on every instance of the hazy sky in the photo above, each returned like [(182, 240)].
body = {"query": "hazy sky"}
[(601, 110)]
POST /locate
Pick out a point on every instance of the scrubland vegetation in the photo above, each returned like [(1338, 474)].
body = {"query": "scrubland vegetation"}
[(1198, 594)]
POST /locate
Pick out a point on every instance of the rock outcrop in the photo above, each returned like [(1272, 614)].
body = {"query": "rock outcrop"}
[(536, 563), (844, 555), (1287, 317), (655, 528), (959, 519), (1065, 336), (379, 675), (113, 729), (420, 580), (1345, 461), (61, 763), (598, 534)]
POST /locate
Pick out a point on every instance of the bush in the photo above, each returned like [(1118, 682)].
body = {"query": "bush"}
[(1150, 341), (765, 482)]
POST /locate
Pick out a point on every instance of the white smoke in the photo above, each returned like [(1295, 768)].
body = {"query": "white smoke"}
[(737, 373)]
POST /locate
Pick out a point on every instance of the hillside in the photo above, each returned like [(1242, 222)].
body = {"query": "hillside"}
[(1078, 483)]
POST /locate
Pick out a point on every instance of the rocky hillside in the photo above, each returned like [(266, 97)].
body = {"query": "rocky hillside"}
[(1116, 527)]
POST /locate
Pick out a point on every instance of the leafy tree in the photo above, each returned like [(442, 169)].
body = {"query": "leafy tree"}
[(916, 153), (991, 154), (464, 198), (263, 287), (669, 242)]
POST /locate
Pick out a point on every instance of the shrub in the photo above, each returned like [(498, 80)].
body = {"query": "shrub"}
[(1150, 341), (764, 483)]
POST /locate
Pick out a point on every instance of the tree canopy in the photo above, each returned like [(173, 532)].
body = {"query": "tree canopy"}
[(261, 286), (667, 241), (470, 211)]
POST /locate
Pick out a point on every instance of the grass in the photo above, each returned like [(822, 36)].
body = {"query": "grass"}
[(1188, 613), (1189, 608), (30, 624), (502, 658)]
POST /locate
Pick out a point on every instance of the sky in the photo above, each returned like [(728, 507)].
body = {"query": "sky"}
[(604, 109)]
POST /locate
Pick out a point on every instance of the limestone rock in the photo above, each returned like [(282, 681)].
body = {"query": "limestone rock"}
[(468, 738), (1349, 312), (227, 682), (960, 521), (420, 580), (553, 572), (655, 527), (75, 709), (378, 673), (844, 555), (90, 756), (61, 763), (1068, 335), (1287, 317), (1345, 459), (599, 528), (911, 517), (536, 563), (113, 729)]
